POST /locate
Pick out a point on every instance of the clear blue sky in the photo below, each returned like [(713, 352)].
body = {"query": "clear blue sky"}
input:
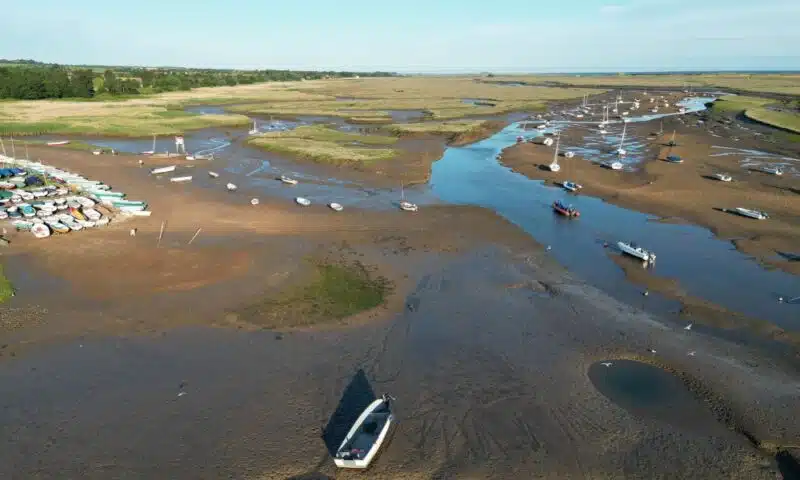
[(446, 36)]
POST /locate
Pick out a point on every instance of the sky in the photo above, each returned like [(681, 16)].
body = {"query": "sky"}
[(410, 36)]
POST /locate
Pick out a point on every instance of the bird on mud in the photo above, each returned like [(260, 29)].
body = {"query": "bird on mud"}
[(692, 353), (606, 364), (688, 327), (651, 350)]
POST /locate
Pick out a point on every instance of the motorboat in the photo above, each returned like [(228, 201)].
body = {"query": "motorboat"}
[(772, 169), (634, 250), (723, 177), (746, 212), (408, 206), (213, 174), (366, 436), (187, 178), (336, 207), (302, 201), (566, 210), (571, 186)]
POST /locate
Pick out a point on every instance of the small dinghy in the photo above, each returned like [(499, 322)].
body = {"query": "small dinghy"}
[(408, 206), (772, 170), (189, 157), (673, 159), (336, 207), (75, 212), (27, 210), (97, 152), (39, 230), (92, 214), (187, 178), (569, 154), (571, 186), (288, 180), (213, 174), (158, 171), (366, 436), (746, 212), (57, 143), (254, 202), (613, 165), (636, 251), (231, 187), (723, 177), (58, 227), (302, 201), (566, 210)]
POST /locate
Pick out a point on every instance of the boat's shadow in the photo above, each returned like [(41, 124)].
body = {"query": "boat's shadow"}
[(356, 397)]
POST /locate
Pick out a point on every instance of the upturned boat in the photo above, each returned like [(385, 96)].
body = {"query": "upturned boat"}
[(366, 436)]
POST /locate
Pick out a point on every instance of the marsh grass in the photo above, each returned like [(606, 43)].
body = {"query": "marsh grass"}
[(784, 120), (436, 128), (333, 292), (6, 288), (325, 145)]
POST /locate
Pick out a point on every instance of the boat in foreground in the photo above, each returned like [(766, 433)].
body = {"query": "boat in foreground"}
[(566, 210), (636, 251), (366, 436), (746, 212)]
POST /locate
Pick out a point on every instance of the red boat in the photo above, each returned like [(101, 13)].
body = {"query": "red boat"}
[(567, 211)]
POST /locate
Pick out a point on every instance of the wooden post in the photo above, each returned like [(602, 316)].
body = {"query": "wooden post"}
[(195, 236), (161, 233)]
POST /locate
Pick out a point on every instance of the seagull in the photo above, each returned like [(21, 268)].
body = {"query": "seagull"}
[(651, 350), (548, 248), (688, 327), (691, 354), (606, 364), (141, 162), (181, 394), (780, 299), (646, 293)]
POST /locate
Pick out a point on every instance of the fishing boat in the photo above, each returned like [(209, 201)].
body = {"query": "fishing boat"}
[(746, 212), (723, 177), (77, 213), (39, 230), (231, 187), (187, 178), (213, 174), (566, 210), (302, 201), (772, 169), (673, 159), (636, 251), (554, 166), (288, 180), (571, 186), (366, 436), (254, 130), (57, 143), (158, 171), (336, 207)]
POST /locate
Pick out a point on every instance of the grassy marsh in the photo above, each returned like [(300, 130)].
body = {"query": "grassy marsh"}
[(6, 288), (325, 145)]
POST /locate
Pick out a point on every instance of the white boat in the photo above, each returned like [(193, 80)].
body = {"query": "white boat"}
[(97, 152), (541, 127), (254, 201), (91, 214), (158, 171), (40, 230), (57, 143), (723, 177), (254, 130), (231, 187), (153, 151), (336, 207), (302, 201), (613, 165), (603, 131), (554, 166), (189, 157), (621, 151), (569, 154), (187, 178), (406, 205), (773, 170), (288, 180), (366, 436), (746, 212), (213, 174), (134, 213), (636, 251), (571, 186)]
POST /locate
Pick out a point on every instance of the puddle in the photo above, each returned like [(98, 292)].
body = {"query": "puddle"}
[(649, 392)]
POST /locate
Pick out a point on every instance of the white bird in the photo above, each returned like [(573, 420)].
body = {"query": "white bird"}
[(645, 293), (691, 354), (780, 299), (688, 327), (606, 364), (180, 394), (548, 248), (141, 162), (651, 350), (133, 232)]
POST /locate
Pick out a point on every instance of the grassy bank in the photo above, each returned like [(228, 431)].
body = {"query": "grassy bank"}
[(755, 108), (333, 292), (325, 145), (436, 128), (786, 84), (6, 289), (785, 120)]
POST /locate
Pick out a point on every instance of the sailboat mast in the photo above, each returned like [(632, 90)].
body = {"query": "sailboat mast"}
[(558, 142), (622, 140)]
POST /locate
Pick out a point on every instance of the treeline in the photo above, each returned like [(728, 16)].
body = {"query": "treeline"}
[(31, 80)]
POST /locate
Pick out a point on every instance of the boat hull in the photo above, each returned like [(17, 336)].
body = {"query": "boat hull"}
[(367, 460)]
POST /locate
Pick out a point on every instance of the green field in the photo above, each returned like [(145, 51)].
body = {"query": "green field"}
[(325, 145), (785, 120), (6, 289), (436, 128), (755, 108)]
